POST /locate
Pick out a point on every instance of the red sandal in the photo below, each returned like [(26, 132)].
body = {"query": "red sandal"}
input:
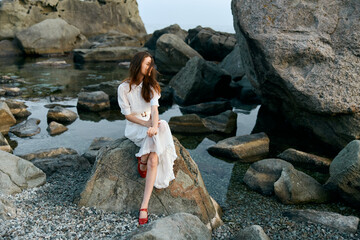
[(142, 173), (143, 221)]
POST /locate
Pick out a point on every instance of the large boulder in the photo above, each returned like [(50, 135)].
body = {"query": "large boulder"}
[(118, 15), (114, 39), (212, 45), (61, 115), (115, 185), (199, 81), (4, 145), (173, 29), (233, 64), (307, 61), (93, 101), (17, 174), (106, 54), (178, 226), (50, 36), (17, 108), (345, 173), (110, 88), (172, 53), (6, 118), (91, 153), (208, 108)]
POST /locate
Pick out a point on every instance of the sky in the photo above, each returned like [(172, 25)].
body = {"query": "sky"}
[(157, 14)]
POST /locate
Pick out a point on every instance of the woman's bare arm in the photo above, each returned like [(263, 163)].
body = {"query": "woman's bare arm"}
[(132, 118), (154, 121)]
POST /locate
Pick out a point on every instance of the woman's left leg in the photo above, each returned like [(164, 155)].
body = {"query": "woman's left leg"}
[(152, 164)]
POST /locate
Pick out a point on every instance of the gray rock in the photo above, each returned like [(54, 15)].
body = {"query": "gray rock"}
[(330, 219), (345, 173), (93, 101), (106, 54), (12, 91), (50, 36), (115, 185), (167, 94), (2, 92), (306, 160), (95, 146), (199, 81), (17, 174), (172, 53), (4, 145), (6, 118), (295, 187), (189, 123), (110, 88), (49, 153), (26, 129), (254, 232), (262, 175), (7, 209), (212, 45), (9, 49), (17, 108), (173, 29), (178, 226), (233, 64), (208, 108), (104, 16), (306, 58), (114, 39), (223, 123), (55, 128), (247, 148), (62, 115)]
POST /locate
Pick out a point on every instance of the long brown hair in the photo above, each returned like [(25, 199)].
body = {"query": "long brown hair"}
[(149, 82)]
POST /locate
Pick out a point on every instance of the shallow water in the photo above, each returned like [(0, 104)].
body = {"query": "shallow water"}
[(65, 82)]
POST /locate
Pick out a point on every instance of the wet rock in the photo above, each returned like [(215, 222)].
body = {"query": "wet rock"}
[(295, 187), (49, 153), (50, 36), (55, 128), (330, 219), (178, 226), (212, 45), (53, 62), (2, 92), (172, 53), (9, 49), (345, 173), (298, 49), (62, 115), (189, 123), (115, 185), (6, 118), (306, 160), (4, 145), (166, 98), (173, 29), (106, 54), (254, 232), (208, 108), (95, 146), (57, 159), (12, 91), (247, 148), (93, 101), (114, 39), (199, 81), (223, 123), (17, 108), (262, 175), (118, 15), (110, 88), (26, 129), (52, 105), (17, 174), (7, 209)]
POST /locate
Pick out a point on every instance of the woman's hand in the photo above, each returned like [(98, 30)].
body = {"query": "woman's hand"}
[(152, 131), (148, 123)]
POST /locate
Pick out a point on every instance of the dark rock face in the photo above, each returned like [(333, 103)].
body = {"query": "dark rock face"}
[(173, 29), (306, 58), (199, 81), (212, 45)]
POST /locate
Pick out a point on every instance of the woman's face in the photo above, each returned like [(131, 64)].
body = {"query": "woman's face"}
[(145, 66)]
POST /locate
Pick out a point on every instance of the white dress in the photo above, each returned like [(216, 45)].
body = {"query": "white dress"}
[(162, 143)]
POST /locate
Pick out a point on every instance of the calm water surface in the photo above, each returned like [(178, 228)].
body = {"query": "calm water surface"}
[(64, 83)]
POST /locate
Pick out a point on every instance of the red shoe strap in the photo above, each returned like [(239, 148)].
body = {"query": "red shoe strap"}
[(143, 209)]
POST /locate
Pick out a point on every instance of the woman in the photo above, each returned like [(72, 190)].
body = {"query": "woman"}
[(138, 98)]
